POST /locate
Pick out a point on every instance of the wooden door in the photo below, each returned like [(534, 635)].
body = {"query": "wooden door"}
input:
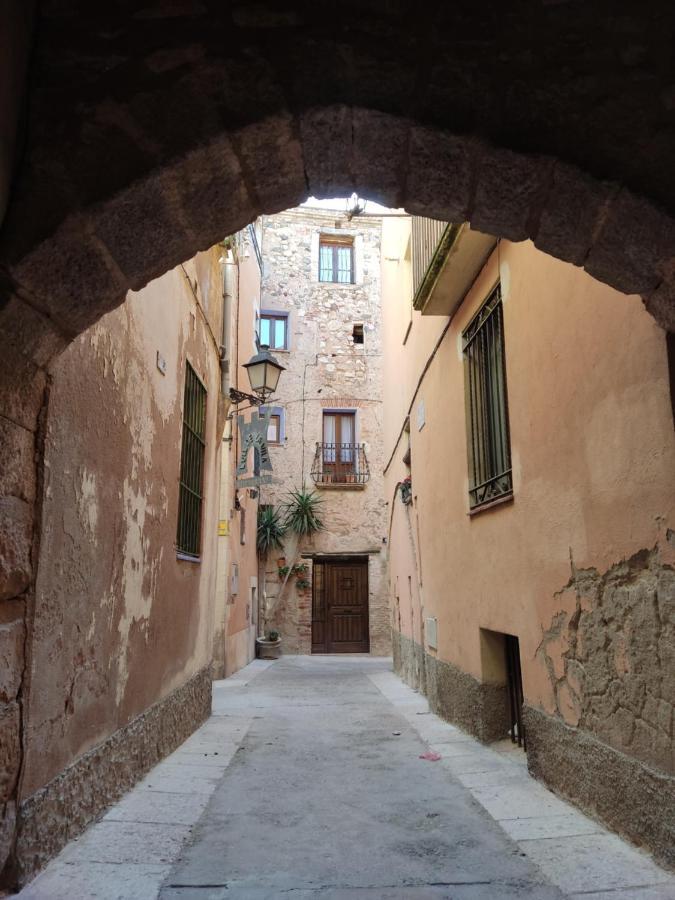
[(340, 607)]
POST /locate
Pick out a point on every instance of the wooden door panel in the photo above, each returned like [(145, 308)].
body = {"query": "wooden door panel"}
[(347, 608)]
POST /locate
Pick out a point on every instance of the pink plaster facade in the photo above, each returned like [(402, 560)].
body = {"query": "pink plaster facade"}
[(579, 563)]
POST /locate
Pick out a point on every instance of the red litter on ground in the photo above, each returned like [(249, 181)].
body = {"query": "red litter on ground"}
[(431, 756)]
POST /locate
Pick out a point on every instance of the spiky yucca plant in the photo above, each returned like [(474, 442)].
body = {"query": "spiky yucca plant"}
[(301, 512), (271, 529)]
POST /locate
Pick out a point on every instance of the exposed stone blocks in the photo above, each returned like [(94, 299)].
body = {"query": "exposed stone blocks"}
[(326, 136), (271, 158), (480, 708), (380, 154), (31, 332), (635, 247), (10, 749), (611, 662), (441, 171), (628, 796), (23, 385), (213, 195), (16, 532), (572, 213), (661, 305), (12, 637), (63, 808), (72, 277), (17, 475), (138, 219), (510, 193)]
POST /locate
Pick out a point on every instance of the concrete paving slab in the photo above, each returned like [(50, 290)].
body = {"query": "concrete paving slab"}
[(158, 807), (567, 825), (498, 776), (654, 892), (181, 782), (96, 881), (518, 801), (125, 843), (595, 862), (314, 795), (323, 798), (475, 761)]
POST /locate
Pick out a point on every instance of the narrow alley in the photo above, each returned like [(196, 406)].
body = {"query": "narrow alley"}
[(309, 780)]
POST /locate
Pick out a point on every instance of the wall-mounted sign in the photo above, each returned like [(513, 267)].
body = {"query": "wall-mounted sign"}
[(253, 435)]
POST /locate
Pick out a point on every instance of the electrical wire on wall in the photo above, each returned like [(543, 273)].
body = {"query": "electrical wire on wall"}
[(302, 429)]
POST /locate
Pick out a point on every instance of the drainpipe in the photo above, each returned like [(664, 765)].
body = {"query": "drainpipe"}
[(229, 288)]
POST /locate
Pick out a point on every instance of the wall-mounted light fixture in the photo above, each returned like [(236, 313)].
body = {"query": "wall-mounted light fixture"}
[(263, 374)]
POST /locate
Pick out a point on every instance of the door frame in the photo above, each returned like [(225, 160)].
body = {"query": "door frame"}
[(320, 600)]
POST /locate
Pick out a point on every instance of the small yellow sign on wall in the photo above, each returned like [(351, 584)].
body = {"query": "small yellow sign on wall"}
[(223, 528)]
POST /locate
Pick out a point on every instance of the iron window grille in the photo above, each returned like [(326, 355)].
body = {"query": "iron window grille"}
[(489, 446), (188, 538), (336, 261)]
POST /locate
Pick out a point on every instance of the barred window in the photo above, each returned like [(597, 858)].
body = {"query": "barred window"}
[(487, 416), (336, 260), (190, 497)]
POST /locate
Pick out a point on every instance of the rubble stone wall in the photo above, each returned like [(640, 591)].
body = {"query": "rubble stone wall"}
[(326, 370)]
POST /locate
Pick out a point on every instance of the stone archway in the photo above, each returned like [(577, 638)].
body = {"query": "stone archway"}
[(154, 129)]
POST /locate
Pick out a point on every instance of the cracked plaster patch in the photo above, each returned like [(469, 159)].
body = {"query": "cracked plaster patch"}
[(610, 655)]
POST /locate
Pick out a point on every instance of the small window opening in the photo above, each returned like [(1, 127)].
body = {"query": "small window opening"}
[(357, 334)]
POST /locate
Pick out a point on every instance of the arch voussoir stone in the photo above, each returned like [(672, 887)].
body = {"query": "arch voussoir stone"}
[(510, 192), (661, 304), (572, 213), (380, 155), (326, 135), (441, 173), (635, 247), (270, 154)]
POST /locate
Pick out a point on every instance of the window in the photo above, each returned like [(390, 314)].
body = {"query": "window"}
[(274, 331), (274, 430), (336, 260), (338, 441), (486, 404), (357, 334), (191, 465)]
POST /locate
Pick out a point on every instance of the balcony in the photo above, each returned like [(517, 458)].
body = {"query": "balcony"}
[(340, 466), (446, 260)]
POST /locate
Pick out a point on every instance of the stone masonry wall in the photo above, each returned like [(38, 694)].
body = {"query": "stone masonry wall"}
[(325, 369), (610, 656)]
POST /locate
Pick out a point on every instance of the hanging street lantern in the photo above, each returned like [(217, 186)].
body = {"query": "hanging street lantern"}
[(263, 374)]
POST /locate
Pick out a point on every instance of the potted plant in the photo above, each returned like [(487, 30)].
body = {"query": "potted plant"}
[(271, 529), (302, 584), (406, 490), (269, 647), (283, 572)]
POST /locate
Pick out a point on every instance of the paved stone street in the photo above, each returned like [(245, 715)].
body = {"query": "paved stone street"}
[(307, 782)]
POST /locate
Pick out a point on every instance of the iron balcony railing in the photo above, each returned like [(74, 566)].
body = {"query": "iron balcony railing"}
[(425, 238), (340, 464)]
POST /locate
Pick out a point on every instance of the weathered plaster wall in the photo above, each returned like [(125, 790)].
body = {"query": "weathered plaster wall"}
[(325, 369), (119, 621), (580, 564), (236, 611)]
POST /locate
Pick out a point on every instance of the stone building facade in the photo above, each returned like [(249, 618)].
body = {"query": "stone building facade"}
[(549, 580), (330, 342)]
